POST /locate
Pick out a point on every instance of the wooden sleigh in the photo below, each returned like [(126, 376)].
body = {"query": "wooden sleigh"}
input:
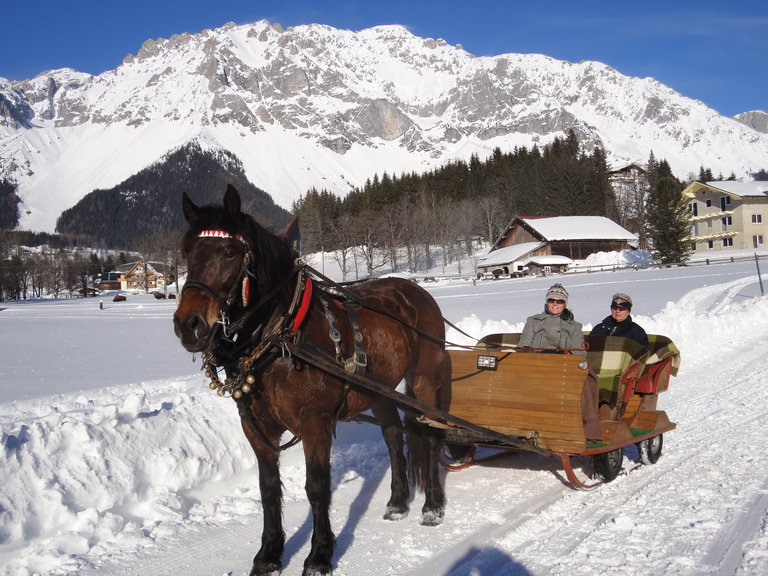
[(536, 395)]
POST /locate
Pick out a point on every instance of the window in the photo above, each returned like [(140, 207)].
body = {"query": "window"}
[(710, 244), (727, 242), (709, 223), (757, 240), (709, 203), (694, 208), (724, 201), (757, 218)]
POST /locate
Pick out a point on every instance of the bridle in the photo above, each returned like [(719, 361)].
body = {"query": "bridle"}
[(239, 291)]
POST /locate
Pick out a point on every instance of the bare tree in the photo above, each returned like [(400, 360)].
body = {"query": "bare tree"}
[(411, 232), (492, 216), (446, 216), (369, 242), (392, 230), (424, 211), (631, 204), (341, 236)]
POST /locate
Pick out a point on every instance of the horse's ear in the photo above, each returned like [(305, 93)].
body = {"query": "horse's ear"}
[(232, 203), (188, 207)]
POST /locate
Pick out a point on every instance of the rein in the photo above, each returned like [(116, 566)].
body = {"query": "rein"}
[(356, 298)]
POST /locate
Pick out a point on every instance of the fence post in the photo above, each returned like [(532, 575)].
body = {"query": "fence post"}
[(760, 279)]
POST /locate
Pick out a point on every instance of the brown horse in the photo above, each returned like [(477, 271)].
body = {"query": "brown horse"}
[(246, 301)]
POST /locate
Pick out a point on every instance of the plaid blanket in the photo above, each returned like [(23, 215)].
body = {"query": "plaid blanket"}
[(609, 357), (660, 348)]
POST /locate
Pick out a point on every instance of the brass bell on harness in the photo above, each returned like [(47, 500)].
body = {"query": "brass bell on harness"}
[(212, 385), (245, 388), (250, 378), (236, 394)]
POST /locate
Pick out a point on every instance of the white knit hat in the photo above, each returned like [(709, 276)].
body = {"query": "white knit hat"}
[(557, 292)]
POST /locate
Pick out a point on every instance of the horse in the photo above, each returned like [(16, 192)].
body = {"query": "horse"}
[(247, 302)]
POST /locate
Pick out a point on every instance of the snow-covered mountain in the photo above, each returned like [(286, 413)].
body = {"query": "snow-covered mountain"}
[(317, 106)]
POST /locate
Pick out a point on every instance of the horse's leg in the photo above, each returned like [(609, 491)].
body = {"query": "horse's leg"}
[(317, 437), (432, 371), (267, 560), (392, 430)]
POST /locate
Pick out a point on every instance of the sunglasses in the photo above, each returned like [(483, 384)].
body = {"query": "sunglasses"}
[(554, 301), (618, 307)]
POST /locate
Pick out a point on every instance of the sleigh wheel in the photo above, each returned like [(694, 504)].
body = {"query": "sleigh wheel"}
[(608, 464), (650, 449)]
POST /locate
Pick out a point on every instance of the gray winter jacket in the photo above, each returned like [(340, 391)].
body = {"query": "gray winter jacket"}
[(548, 331)]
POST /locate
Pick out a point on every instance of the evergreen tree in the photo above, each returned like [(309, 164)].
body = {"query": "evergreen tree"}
[(667, 217), (705, 175), (9, 205)]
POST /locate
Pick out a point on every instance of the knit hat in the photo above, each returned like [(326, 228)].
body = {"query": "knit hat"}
[(557, 292), (622, 299)]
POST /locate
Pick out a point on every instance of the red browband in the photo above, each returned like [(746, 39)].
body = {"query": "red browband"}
[(219, 234)]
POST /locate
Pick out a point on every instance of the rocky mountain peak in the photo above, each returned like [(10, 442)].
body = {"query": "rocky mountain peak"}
[(312, 105), (756, 119)]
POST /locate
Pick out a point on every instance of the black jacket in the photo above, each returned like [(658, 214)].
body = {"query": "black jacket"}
[(625, 329)]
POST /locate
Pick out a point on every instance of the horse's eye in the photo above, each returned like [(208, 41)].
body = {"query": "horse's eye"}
[(229, 254)]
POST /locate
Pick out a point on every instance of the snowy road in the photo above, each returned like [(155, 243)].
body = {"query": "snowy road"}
[(701, 510)]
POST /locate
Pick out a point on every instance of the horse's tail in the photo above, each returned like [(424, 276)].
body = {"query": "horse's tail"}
[(423, 446)]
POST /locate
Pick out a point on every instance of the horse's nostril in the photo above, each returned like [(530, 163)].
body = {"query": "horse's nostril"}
[(190, 328)]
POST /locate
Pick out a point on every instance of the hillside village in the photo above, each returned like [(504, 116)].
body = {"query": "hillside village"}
[(723, 217)]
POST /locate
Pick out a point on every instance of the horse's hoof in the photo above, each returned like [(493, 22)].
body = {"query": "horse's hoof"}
[(317, 570), (432, 517), (266, 569), (396, 512)]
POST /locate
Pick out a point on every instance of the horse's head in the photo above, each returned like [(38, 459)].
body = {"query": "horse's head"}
[(230, 261)]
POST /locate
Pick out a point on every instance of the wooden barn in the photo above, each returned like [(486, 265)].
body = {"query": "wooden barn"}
[(525, 241)]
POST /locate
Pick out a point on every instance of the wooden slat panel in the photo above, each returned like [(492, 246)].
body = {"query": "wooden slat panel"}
[(529, 394), (651, 420)]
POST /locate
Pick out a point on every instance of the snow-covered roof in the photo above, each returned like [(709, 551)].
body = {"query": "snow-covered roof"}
[(550, 260), (579, 228), (754, 188), (509, 254)]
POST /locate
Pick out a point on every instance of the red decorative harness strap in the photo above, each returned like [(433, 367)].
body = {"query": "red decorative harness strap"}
[(306, 299)]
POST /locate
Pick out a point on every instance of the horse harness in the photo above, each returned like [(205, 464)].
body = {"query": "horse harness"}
[(243, 357), (266, 344)]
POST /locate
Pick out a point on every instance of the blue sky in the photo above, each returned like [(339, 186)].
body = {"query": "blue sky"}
[(712, 51)]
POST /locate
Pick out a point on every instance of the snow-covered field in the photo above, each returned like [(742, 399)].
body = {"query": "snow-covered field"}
[(117, 459)]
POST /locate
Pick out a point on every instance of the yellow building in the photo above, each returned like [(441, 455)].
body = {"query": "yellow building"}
[(728, 215)]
